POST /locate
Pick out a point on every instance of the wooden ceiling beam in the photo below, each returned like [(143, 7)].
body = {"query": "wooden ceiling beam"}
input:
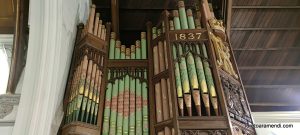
[(267, 107), (271, 86), (266, 29), (268, 49), (228, 17), (269, 67), (273, 108), (266, 7), (274, 104)]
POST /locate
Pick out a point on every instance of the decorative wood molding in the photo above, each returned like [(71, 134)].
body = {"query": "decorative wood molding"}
[(237, 106), (20, 45)]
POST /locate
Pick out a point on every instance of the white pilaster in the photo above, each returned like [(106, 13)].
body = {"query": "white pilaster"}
[(50, 47)]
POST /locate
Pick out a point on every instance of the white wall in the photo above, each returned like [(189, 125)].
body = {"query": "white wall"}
[(6, 43), (6, 130), (51, 40)]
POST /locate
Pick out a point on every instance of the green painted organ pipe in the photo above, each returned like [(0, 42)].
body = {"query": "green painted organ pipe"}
[(132, 106), (210, 81), (114, 105), (112, 44), (143, 45), (126, 106), (107, 105), (145, 105), (183, 68), (120, 105), (138, 95)]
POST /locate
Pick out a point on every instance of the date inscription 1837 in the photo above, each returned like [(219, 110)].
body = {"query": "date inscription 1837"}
[(187, 35)]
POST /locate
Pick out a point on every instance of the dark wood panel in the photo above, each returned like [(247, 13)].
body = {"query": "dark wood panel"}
[(105, 14), (102, 3), (142, 4), (128, 37), (138, 21)]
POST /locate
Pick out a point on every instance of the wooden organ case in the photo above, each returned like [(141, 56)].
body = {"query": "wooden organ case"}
[(189, 77)]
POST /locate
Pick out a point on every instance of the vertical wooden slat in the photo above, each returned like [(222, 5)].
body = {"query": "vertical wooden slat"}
[(115, 17), (228, 18), (171, 74), (103, 81), (150, 76)]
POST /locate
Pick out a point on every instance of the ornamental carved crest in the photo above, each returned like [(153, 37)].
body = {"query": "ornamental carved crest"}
[(203, 132), (236, 103)]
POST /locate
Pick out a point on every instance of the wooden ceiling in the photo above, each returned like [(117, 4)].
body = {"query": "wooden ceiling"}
[(265, 36)]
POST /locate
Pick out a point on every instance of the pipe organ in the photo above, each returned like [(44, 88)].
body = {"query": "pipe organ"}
[(179, 77)]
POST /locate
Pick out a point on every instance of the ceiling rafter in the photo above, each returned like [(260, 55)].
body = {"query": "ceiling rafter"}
[(269, 67), (271, 86), (266, 7), (265, 28), (268, 49), (274, 104)]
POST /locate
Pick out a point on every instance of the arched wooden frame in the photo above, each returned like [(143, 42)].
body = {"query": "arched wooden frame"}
[(20, 44)]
